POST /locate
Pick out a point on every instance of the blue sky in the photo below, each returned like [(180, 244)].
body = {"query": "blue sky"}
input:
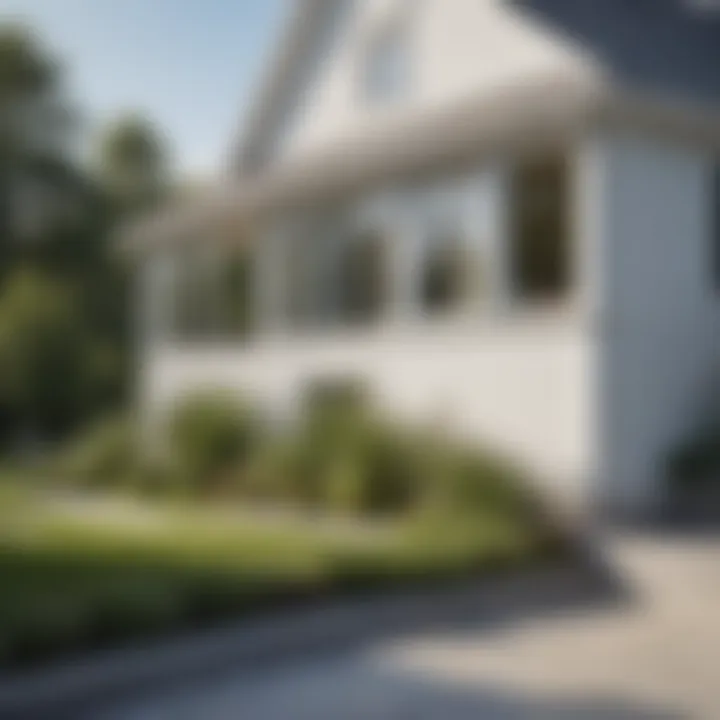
[(189, 64)]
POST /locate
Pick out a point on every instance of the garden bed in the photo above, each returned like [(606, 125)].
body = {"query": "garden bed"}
[(233, 519)]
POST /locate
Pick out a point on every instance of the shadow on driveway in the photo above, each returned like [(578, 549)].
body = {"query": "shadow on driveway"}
[(248, 654)]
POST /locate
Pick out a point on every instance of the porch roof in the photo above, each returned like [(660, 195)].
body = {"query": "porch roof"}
[(512, 120)]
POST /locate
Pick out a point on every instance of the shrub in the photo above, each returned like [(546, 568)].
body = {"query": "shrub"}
[(297, 466), (358, 464), (280, 470), (344, 457), (467, 481), (481, 480), (340, 397), (159, 476), (46, 378), (105, 456), (340, 457), (387, 470), (210, 435), (344, 485)]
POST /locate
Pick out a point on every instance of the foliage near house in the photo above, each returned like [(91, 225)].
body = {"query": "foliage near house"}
[(342, 503), (64, 309), (210, 436), (341, 456)]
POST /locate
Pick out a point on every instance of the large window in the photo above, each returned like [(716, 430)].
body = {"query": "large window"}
[(446, 274), (540, 230), (210, 296)]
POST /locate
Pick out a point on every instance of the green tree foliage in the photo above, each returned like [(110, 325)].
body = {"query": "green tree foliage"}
[(132, 165), (52, 370), (64, 292), (41, 189), (131, 173)]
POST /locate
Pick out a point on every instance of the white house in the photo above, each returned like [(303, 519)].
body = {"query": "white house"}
[(501, 215)]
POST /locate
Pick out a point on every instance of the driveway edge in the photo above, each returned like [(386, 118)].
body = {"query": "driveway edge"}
[(76, 687)]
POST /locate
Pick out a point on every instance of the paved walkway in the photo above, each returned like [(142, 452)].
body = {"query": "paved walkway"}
[(653, 656)]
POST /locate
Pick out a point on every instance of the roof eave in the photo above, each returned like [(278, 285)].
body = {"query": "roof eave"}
[(509, 122)]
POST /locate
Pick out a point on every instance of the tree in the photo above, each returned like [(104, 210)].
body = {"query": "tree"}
[(52, 370), (133, 165), (64, 306), (132, 173), (40, 187)]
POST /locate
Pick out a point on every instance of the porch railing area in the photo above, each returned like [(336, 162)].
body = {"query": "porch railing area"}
[(441, 252)]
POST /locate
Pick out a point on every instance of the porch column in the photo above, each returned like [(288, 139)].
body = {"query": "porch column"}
[(404, 270), (495, 225), (155, 311), (269, 278)]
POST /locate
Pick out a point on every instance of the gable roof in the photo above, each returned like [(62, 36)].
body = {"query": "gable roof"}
[(670, 47), (294, 50), (650, 54)]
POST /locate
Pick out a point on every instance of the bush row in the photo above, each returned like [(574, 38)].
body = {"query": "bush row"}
[(456, 511), (340, 457)]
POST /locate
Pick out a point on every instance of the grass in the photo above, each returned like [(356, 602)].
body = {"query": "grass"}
[(68, 584)]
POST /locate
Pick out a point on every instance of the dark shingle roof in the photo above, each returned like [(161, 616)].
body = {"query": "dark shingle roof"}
[(666, 46)]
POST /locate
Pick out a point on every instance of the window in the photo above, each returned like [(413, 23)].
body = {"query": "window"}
[(362, 279), (210, 296), (540, 235), (386, 75), (445, 274)]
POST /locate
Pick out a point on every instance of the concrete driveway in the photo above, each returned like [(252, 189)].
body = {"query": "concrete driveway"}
[(653, 652)]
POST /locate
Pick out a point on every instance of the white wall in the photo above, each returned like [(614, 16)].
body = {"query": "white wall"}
[(657, 309), (522, 386), (521, 383), (459, 49)]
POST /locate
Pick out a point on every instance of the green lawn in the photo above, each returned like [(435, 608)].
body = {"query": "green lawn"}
[(69, 583)]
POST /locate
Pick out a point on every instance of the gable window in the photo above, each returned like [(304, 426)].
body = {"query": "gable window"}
[(386, 72)]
